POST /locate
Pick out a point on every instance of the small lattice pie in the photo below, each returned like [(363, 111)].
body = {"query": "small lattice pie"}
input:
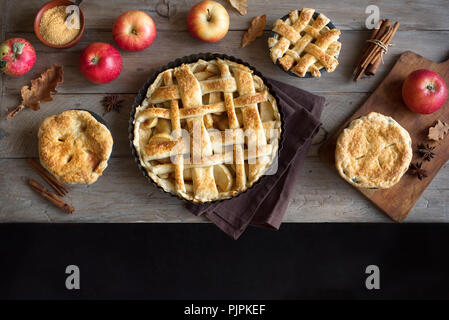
[(214, 103), (302, 44), (374, 151), (74, 146)]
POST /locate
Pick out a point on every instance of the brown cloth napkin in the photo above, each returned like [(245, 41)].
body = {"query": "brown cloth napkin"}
[(264, 205)]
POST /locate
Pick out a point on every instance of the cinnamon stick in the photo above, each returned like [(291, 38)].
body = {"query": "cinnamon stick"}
[(372, 68), (367, 47), (50, 196), (375, 51), (372, 54), (386, 28), (60, 188)]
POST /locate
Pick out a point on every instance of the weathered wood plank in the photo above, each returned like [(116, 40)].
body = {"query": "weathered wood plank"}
[(124, 195), (137, 67), (100, 14), (323, 196), (121, 195), (18, 135), (3, 17)]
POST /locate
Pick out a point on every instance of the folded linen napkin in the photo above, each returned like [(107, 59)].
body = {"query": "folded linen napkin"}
[(265, 203)]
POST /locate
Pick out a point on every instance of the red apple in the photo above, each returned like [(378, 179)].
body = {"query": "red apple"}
[(208, 21), (17, 57), (100, 62), (134, 30), (424, 91)]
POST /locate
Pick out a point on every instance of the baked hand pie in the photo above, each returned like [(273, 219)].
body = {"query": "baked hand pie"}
[(74, 146), (303, 44), (207, 130), (374, 151)]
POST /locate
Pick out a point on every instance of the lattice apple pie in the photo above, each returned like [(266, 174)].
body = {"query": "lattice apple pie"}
[(207, 130), (302, 44)]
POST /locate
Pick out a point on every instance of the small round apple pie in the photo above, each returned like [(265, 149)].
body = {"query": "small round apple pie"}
[(74, 146), (374, 151)]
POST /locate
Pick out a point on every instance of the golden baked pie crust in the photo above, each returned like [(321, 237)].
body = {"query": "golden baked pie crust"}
[(74, 146), (374, 151)]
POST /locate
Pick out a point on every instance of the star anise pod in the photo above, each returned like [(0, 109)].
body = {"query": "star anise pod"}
[(416, 170), (426, 151), (112, 102)]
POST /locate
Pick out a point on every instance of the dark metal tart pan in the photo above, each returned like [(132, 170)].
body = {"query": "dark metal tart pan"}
[(176, 63)]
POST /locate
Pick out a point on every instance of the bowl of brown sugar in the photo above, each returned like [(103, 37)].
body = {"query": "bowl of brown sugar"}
[(59, 24)]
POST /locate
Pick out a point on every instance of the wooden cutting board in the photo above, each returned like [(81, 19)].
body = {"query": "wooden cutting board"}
[(397, 201)]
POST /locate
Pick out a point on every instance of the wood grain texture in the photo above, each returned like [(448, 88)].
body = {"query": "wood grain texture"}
[(398, 200), (347, 14), (123, 194)]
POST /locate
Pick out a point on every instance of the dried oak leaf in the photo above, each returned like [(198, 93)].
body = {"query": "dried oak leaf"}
[(40, 90), (239, 5), (255, 30), (438, 131)]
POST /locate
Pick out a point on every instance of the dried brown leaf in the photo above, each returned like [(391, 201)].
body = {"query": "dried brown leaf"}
[(239, 5), (438, 131), (40, 90), (255, 30)]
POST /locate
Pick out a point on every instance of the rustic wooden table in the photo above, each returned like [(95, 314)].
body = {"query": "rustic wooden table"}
[(123, 194)]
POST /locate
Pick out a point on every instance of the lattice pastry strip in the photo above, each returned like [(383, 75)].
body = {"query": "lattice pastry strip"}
[(191, 95), (333, 51), (317, 52), (311, 33), (289, 35), (176, 127), (217, 159), (218, 107), (251, 120), (239, 161)]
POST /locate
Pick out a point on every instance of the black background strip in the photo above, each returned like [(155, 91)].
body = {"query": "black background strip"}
[(198, 261)]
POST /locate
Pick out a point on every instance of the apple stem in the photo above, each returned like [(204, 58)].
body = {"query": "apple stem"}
[(431, 87), (208, 15), (94, 60), (17, 49)]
